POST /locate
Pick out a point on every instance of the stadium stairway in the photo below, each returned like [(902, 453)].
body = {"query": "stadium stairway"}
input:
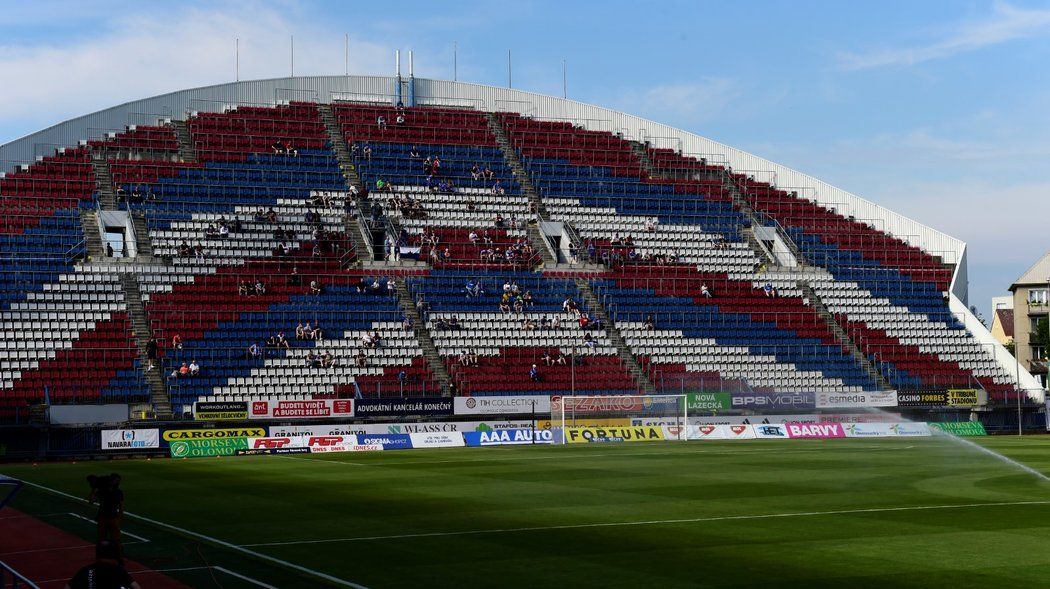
[(92, 238), (520, 174), (141, 335), (185, 141), (847, 342), (430, 351), (107, 195), (613, 333)]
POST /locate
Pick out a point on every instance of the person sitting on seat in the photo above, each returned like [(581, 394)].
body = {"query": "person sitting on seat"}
[(534, 374), (561, 359), (381, 122), (278, 147), (361, 359), (769, 290), (254, 351), (589, 341), (327, 360), (242, 289), (706, 292), (649, 323), (473, 357), (195, 368), (260, 288), (308, 331), (299, 332), (282, 342), (453, 322), (184, 370), (176, 342), (547, 359), (315, 287)]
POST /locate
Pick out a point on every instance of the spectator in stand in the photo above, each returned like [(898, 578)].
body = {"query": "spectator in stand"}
[(453, 323), (224, 230), (569, 306), (561, 359), (184, 370), (497, 189), (528, 324), (278, 147), (271, 215), (474, 288), (381, 122), (327, 360), (406, 323), (547, 359), (584, 320), (464, 358), (315, 288), (437, 165), (589, 341), (473, 357), (254, 351), (556, 322), (195, 368), (176, 342), (504, 305), (706, 292), (475, 172), (413, 153), (391, 286), (361, 359), (242, 289), (318, 332), (534, 374), (282, 342), (400, 120), (300, 331), (527, 299), (649, 325), (367, 152), (260, 288), (151, 353), (312, 360), (422, 305), (650, 224), (769, 290)]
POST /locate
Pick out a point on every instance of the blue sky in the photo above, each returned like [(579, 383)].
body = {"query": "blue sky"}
[(934, 109)]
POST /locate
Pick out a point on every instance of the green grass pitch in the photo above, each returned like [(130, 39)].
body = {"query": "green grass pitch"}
[(837, 513)]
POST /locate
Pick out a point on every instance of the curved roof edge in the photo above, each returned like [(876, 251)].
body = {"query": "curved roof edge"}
[(426, 91)]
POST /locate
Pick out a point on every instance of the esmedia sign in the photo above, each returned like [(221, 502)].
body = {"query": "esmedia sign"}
[(770, 401)]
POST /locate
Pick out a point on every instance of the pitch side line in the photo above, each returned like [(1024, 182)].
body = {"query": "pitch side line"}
[(575, 456), (256, 582), (656, 522), (216, 541), (125, 533)]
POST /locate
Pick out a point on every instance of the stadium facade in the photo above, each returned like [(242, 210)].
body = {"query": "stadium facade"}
[(831, 292)]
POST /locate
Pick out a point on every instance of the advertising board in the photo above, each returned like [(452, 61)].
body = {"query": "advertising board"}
[(962, 397), (721, 432), (387, 441), (583, 435), (201, 448), (310, 409), (437, 440), (130, 439), (960, 428), (397, 428), (171, 435), (708, 402), (591, 405), (776, 431), (917, 399), (227, 411), (773, 401), (403, 407), (814, 431), (857, 400), (503, 405), (509, 437), (904, 429)]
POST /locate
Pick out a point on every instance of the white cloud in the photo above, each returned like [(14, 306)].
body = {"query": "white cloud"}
[(703, 100), (162, 51), (1006, 23)]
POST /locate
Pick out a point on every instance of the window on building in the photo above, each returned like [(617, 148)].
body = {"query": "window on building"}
[(1034, 322), (1038, 352), (1037, 297)]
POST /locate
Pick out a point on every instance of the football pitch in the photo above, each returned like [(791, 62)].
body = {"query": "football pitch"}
[(922, 512)]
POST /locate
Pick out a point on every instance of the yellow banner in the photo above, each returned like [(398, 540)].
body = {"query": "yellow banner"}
[(582, 435), (590, 422), (214, 434), (962, 397)]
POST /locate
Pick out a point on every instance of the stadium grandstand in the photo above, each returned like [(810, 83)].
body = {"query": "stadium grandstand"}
[(357, 237)]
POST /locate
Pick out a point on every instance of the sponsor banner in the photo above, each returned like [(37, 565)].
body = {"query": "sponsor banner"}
[(401, 407), (213, 434), (776, 431), (920, 399), (261, 451), (509, 437), (511, 404), (606, 404), (904, 429), (773, 401), (200, 448), (862, 399), (400, 428), (814, 431), (708, 402), (345, 448), (721, 432), (312, 409), (130, 439), (229, 411), (675, 432), (582, 435), (437, 440), (793, 418), (386, 441), (962, 397), (960, 428)]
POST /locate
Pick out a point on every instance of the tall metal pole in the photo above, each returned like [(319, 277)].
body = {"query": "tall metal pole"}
[(572, 370), (564, 79), (455, 61), (292, 54), (237, 67), (346, 54), (510, 77)]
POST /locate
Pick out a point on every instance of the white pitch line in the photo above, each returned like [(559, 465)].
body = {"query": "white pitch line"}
[(244, 577), (123, 532), (655, 522), (216, 541), (580, 456)]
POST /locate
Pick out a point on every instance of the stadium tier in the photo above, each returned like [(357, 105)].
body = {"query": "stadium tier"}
[(356, 249)]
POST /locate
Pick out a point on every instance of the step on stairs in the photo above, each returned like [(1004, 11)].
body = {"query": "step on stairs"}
[(96, 250), (847, 343), (160, 399), (512, 159), (107, 194), (142, 239), (628, 359), (186, 149), (434, 360), (539, 243)]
